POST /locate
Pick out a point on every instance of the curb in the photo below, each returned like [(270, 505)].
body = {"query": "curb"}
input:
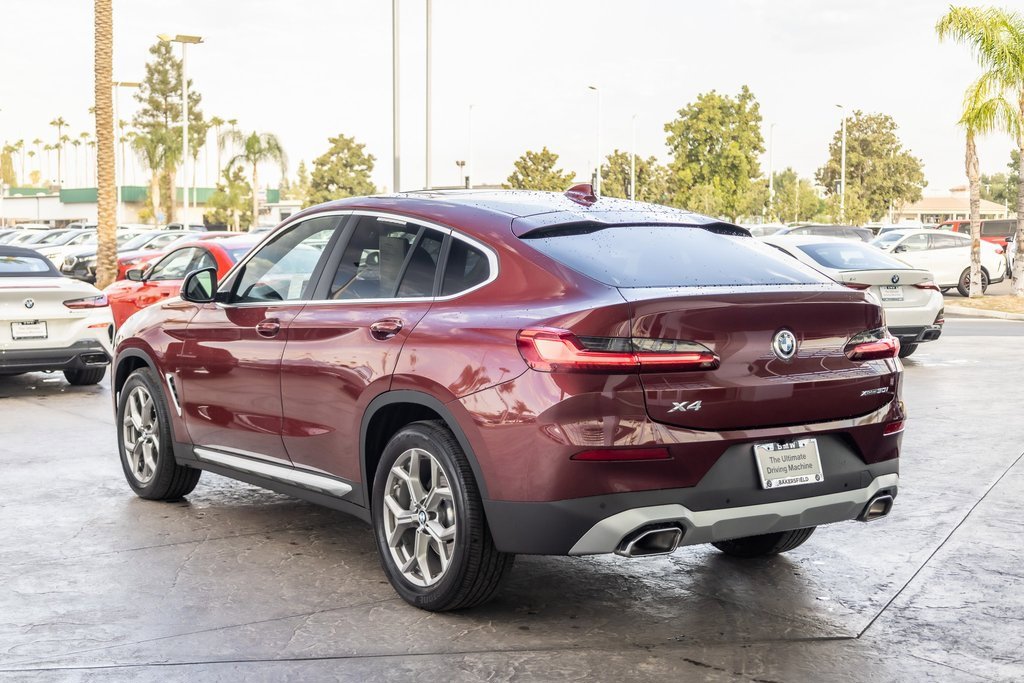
[(981, 313)]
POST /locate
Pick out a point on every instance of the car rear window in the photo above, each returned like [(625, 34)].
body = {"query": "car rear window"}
[(851, 256), (21, 265), (670, 256)]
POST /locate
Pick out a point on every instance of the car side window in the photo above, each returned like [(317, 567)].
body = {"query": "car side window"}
[(203, 259), (174, 266), (282, 268), (378, 253), (915, 243), (945, 241), (466, 267)]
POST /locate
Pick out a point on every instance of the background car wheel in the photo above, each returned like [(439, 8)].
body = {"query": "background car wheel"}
[(80, 378), (765, 544), (144, 441), (907, 350), (429, 525), (964, 286), (945, 289)]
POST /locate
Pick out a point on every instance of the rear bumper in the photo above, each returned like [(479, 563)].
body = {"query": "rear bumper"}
[(727, 503), (82, 354), (916, 334)]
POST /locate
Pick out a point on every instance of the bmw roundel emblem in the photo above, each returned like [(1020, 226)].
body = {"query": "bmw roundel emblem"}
[(895, 278), (29, 303), (784, 344)]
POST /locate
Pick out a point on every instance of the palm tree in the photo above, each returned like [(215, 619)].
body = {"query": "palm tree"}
[(20, 147), (103, 68), (84, 138), (49, 166), (256, 149), (59, 123), (216, 122), (996, 37), (32, 155), (151, 151), (75, 144)]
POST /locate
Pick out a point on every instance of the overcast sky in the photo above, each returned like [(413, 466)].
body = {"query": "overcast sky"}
[(309, 69)]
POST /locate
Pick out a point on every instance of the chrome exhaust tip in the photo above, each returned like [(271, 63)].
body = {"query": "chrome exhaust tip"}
[(650, 541), (879, 507)]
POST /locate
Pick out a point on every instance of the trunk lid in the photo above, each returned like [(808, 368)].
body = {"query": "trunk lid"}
[(893, 287), (753, 387)]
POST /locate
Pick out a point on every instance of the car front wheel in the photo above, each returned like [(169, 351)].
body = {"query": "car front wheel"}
[(964, 287), (144, 441), (429, 525)]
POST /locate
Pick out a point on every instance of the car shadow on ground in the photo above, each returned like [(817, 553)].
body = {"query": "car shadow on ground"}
[(36, 384)]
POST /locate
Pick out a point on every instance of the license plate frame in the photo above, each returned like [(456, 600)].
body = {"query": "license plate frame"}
[(790, 463), (29, 329), (891, 292)]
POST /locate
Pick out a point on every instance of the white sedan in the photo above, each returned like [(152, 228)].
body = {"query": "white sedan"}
[(947, 255), (49, 322), (912, 301)]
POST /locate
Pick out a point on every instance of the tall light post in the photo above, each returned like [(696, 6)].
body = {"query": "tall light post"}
[(771, 171), (842, 172), (469, 152), (396, 167), (427, 183), (632, 161), (118, 181), (597, 184), (185, 42)]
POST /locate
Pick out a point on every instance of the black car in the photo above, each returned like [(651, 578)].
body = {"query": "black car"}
[(849, 232), (81, 263)]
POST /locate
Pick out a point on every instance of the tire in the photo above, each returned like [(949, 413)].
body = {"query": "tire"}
[(153, 474), (765, 544), (907, 350), (964, 285), (945, 289), (85, 376), (449, 525)]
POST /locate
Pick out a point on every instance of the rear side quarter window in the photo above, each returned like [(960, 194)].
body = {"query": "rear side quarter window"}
[(467, 267)]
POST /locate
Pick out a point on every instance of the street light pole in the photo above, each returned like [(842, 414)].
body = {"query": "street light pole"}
[(597, 184), (842, 164), (771, 171), (427, 183), (185, 42), (632, 162), (469, 144), (396, 168)]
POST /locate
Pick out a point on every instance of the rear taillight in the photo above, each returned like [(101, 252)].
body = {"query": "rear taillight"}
[(928, 285), (872, 345), (621, 454), (856, 285), (893, 428), (88, 302), (999, 250), (940, 319), (552, 350)]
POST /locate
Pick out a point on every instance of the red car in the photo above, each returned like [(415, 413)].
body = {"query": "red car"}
[(147, 285), (479, 374), (995, 231), (139, 258)]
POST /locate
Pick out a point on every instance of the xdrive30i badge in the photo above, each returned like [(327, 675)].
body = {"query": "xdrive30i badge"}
[(784, 344)]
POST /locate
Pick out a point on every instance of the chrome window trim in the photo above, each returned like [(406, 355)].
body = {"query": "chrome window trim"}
[(492, 262)]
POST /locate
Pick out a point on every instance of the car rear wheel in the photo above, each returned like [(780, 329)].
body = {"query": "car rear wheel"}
[(907, 350), (144, 442), (964, 286), (765, 544), (85, 376), (429, 525)]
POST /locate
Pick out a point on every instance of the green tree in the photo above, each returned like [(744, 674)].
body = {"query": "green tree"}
[(257, 148), (7, 175), (651, 178), (715, 143), (60, 124), (996, 37), (880, 174), (795, 198), (537, 171), (342, 171), (299, 190), (150, 149), (231, 202), (159, 118), (995, 188)]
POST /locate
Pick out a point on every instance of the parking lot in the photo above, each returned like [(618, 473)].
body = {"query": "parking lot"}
[(241, 583)]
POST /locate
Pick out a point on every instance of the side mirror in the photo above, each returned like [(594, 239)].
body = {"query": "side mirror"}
[(200, 286), (134, 274), (900, 249)]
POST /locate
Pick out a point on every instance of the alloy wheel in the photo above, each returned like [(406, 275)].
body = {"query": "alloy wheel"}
[(140, 429), (419, 517)]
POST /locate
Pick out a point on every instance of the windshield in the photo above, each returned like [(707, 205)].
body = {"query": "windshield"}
[(134, 241), (670, 256), (851, 256), (34, 266), (886, 240)]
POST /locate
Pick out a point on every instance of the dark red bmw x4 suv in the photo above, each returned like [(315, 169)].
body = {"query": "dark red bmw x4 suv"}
[(480, 374)]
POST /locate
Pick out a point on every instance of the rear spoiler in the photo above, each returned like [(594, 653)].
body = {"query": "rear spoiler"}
[(585, 226)]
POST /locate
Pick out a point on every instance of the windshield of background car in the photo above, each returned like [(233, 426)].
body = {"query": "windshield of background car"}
[(851, 256), (670, 256), (237, 253), (30, 266), (131, 242), (887, 239)]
